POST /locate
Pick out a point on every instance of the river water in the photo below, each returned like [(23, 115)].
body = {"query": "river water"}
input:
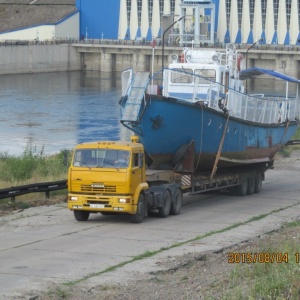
[(55, 111)]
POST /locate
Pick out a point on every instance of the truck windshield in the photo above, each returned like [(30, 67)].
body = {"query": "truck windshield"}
[(101, 158)]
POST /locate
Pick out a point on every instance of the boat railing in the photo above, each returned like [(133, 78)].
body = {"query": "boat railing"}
[(126, 79), (135, 96), (266, 110), (251, 107), (255, 108)]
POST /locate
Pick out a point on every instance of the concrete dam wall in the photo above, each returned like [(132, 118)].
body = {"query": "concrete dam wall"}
[(35, 58), (16, 59)]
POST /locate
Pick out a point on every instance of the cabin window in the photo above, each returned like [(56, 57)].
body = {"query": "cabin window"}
[(135, 160), (182, 76), (101, 158), (206, 73)]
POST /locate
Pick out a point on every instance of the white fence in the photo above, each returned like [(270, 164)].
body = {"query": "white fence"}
[(266, 110)]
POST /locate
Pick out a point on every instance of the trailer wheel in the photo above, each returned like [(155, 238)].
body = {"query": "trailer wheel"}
[(81, 215), (165, 209), (251, 185), (232, 191), (176, 203), (241, 190), (138, 217), (258, 183)]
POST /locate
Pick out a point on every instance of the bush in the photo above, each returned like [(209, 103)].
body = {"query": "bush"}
[(33, 163)]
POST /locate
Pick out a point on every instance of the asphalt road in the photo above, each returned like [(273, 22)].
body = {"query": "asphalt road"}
[(47, 245)]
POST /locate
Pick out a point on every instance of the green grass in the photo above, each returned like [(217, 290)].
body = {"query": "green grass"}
[(287, 150), (58, 293), (33, 166), (277, 280), (276, 276), (297, 135)]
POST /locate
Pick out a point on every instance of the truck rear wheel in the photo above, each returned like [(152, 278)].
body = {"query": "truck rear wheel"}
[(138, 217), (251, 185), (176, 203), (258, 182), (164, 211), (232, 191), (241, 190), (81, 215)]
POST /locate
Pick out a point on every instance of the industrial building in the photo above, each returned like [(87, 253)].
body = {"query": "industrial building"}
[(237, 21), (38, 20)]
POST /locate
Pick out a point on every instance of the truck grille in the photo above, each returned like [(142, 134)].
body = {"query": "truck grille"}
[(106, 189), (93, 201)]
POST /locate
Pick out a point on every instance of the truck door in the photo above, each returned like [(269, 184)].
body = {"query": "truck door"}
[(136, 171)]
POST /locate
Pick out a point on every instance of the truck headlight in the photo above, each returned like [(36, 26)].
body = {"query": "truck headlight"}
[(73, 198), (124, 200)]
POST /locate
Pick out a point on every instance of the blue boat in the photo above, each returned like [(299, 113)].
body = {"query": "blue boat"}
[(195, 114)]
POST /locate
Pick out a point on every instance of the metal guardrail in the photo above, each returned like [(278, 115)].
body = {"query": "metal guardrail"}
[(143, 42), (293, 142), (46, 187)]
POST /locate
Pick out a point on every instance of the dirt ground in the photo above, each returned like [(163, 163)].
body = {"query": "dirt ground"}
[(190, 276)]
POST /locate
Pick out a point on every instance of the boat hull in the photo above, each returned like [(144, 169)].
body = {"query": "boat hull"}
[(168, 125)]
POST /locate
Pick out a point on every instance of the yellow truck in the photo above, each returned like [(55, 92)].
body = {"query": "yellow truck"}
[(111, 177)]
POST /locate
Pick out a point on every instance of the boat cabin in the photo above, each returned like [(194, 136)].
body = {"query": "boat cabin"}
[(195, 72)]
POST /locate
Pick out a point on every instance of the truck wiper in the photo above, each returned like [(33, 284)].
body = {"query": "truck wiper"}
[(82, 163), (109, 163)]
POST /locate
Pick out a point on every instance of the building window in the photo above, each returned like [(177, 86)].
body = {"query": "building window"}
[(288, 5), (263, 13), (161, 7), (251, 9), (299, 11), (228, 6), (128, 8), (139, 10), (150, 12), (172, 7), (276, 6), (240, 13)]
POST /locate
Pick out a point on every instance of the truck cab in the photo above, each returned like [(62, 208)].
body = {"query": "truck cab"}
[(106, 177)]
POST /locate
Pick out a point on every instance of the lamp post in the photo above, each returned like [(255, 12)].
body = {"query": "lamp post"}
[(163, 41), (260, 40)]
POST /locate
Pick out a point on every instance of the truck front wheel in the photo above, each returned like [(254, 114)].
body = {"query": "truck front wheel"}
[(138, 217), (81, 215), (165, 209)]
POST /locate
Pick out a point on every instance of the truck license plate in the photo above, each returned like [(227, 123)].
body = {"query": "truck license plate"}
[(97, 205)]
